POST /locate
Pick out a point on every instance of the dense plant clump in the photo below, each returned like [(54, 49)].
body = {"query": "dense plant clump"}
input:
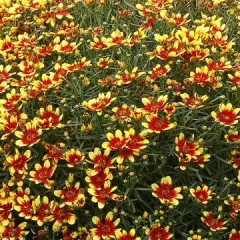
[(119, 119)]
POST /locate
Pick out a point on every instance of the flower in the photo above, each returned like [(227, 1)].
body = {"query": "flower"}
[(49, 118), (101, 195), (42, 210), (13, 232), (18, 162), (152, 106), (98, 104), (201, 194), (61, 215), (156, 124), (234, 203), (194, 102), (157, 232), (30, 135), (71, 194), (227, 115), (100, 160), (123, 235), (234, 235), (122, 113), (215, 224), (166, 193), (42, 174), (159, 71), (115, 142), (235, 160), (104, 229), (73, 157)]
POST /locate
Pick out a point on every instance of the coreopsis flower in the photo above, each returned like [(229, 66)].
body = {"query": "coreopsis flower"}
[(154, 106), (14, 100), (166, 193), (175, 20), (235, 159), (156, 124), (100, 103), (195, 237), (49, 118), (227, 115), (73, 157), (194, 102), (122, 113), (97, 179), (138, 36), (234, 235), (42, 210), (157, 232), (234, 203), (79, 65), (232, 136), (18, 162), (117, 38), (30, 134), (67, 235), (103, 63), (159, 71), (71, 194), (220, 66), (100, 160), (127, 77), (188, 148), (61, 215), (215, 224), (115, 141), (235, 80), (57, 12), (201, 194), (195, 54), (11, 231), (104, 228), (123, 235), (100, 196), (23, 205), (8, 125), (84, 234), (55, 152), (6, 208), (100, 43), (137, 113), (42, 174), (201, 76)]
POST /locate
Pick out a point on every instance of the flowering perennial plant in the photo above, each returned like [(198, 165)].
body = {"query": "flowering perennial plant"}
[(119, 119)]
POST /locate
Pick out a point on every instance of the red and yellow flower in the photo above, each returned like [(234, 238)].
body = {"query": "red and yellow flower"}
[(227, 115), (215, 224), (201, 194), (73, 157), (166, 193), (30, 135), (42, 210), (234, 235), (156, 124), (99, 104), (104, 229), (123, 235), (154, 106), (42, 174), (157, 232)]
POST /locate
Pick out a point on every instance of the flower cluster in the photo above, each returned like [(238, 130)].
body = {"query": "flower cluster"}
[(119, 119)]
